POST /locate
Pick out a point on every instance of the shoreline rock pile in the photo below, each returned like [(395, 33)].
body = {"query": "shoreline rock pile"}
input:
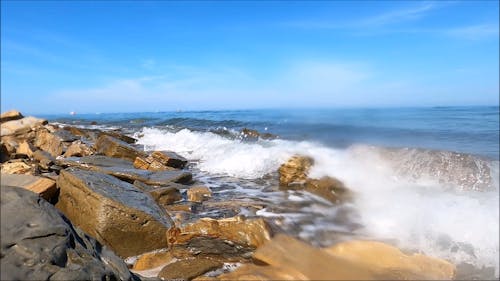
[(77, 203)]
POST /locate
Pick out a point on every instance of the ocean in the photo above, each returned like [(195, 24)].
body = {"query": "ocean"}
[(424, 179)]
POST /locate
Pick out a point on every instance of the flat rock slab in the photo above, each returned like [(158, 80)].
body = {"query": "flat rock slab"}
[(115, 212), (46, 188), (21, 126), (10, 115), (39, 244), (114, 147), (188, 269), (124, 170)]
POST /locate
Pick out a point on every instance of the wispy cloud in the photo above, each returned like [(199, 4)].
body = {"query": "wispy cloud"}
[(475, 32)]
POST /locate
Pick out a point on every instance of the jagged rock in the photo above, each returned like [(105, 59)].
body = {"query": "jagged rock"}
[(45, 159), (21, 126), (45, 187), (10, 115), (25, 148), (390, 263), (119, 136), (152, 260), (141, 163), (295, 170), (39, 244), (115, 212), (188, 269), (307, 262), (329, 188), (49, 142), (113, 147), (160, 161), (247, 232), (77, 148), (124, 170), (198, 193), (165, 195), (18, 167)]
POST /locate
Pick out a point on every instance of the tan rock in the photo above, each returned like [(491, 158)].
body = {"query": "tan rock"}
[(247, 232), (11, 144), (113, 147), (256, 272), (118, 135), (169, 158), (19, 168), (25, 148), (46, 188), (188, 269), (389, 262), (165, 195), (198, 193), (49, 142), (152, 260), (20, 126), (45, 160), (329, 188), (114, 212), (77, 148), (295, 170), (141, 163), (308, 263), (10, 115)]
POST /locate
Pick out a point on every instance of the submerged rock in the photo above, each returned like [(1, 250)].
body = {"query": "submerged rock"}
[(188, 269), (45, 187), (115, 212), (198, 193), (329, 188), (113, 147), (39, 244)]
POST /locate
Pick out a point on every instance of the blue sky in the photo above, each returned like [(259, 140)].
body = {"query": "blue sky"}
[(109, 56)]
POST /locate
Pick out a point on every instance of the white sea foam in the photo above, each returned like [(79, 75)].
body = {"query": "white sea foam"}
[(420, 213)]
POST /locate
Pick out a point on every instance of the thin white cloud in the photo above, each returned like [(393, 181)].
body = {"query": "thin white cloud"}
[(475, 32)]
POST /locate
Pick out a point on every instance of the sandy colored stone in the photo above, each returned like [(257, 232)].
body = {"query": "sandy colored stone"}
[(77, 148), (118, 135), (10, 115), (19, 168), (295, 170), (169, 158), (114, 212), (25, 148), (152, 260), (329, 188), (165, 195), (248, 232), (113, 147), (188, 269), (45, 159), (389, 262), (141, 163), (198, 193), (49, 142), (20, 126), (256, 272), (45, 187)]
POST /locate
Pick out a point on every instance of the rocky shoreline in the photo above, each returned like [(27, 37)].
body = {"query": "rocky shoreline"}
[(88, 204)]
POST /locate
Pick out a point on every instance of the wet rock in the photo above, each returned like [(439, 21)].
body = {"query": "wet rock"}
[(389, 262), (188, 269), (152, 260), (256, 272), (25, 148), (253, 134), (198, 193), (329, 188), (118, 135), (165, 195), (216, 248), (113, 147), (45, 187), (77, 148), (18, 167), (39, 244), (44, 159), (49, 142), (21, 126), (309, 263), (160, 161), (10, 115), (248, 232), (295, 170), (181, 207), (115, 212)]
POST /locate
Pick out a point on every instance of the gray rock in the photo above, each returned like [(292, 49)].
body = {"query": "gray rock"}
[(40, 244)]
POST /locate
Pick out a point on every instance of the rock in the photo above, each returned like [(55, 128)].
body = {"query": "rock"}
[(256, 272), (152, 260), (49, 142), (11, 144), (45, 187), (214, 248), (188, 269), (21, 126), (18, 167), (39, 244), (302, 260), (65, 136), (45, 159), (4, 153), (77, 148), (115, 212), (160, 161), (25, 148), (198, 193), (250, 133), (124, 170), (295, 170), (10, 115), (181, 207), (247, 232), (119, 136), (141, 163), (113, 147), (329, 188), (165, 195), (389, 262)]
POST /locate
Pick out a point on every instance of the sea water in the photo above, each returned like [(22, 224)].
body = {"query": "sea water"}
[(424, 179)]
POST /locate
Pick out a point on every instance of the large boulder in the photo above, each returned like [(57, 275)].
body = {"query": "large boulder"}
[(10, 115), (39, 244), (45, 187), (79, 149), (21, 126), (49, 142), (113, 147), (329, 188), (115, 212), (295, 170), (160, 161)]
